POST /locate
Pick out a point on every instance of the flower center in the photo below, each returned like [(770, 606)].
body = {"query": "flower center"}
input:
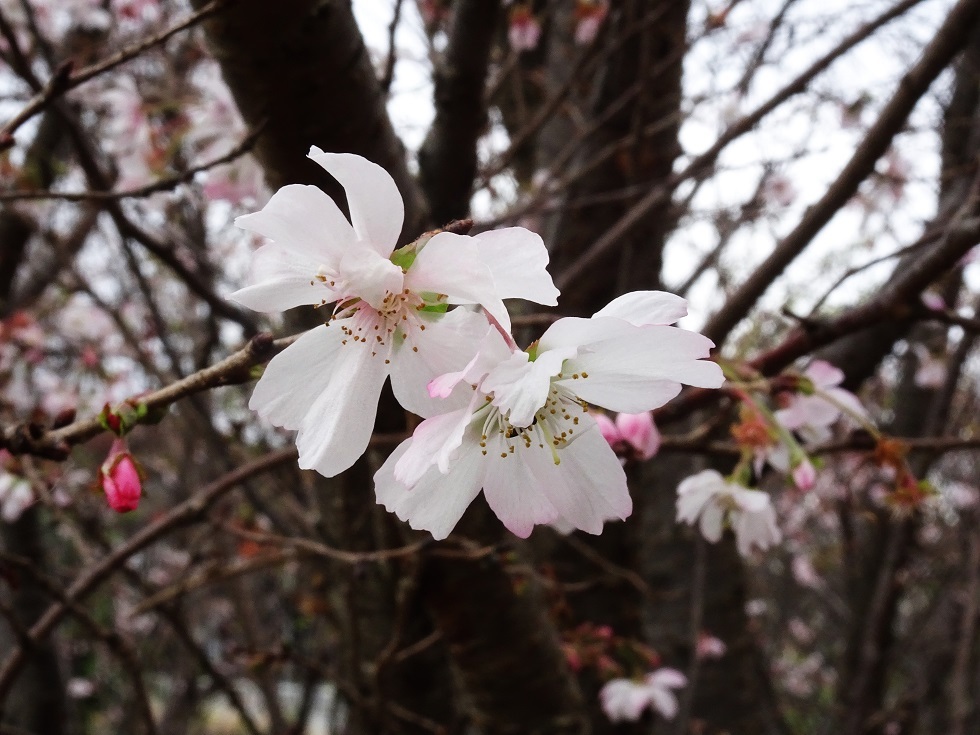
[(554, 426)]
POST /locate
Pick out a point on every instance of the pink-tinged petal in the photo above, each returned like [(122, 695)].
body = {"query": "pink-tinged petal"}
[(338, 426), (443, 347), (642, 308), (450, 264), (667, 678), (438, 501), (849, 401), (812, 411), (823, 374), (283, 280), (305, 221), (640, 432), (433, 443), (588, 487), (370, 277), (512, 491), (608, 429), (376, 206), (624, 700), (518, 261), (520, 387)]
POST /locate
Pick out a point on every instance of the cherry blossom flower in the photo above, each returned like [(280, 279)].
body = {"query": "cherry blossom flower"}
[(631, 435), (811, 412), (623, 700), (711, 498), (120, 479), (527, 439), (389, 318)]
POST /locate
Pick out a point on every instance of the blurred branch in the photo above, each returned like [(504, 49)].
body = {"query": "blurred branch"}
[(182, 514), (64, 79), (703, 162), (166, 184)]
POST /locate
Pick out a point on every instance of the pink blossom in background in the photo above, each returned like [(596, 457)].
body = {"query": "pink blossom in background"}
[(805, 475), (631, 435), (933, 301), (624, 700), (120, 479), (813, 414), (523, 31)]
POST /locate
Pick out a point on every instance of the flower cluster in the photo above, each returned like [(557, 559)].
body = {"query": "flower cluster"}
[(511, 422)]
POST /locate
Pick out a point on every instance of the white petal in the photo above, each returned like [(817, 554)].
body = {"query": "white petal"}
[(624, 700), (712, 518), (329, 391), (450, 264), (305, 221), (823, 374), (664, 702), (376, 207), (588, 487), (518, 260), (370, 277), (520, 388), (284, 280), (444, 346), (438, 501), (666, 678), (295, 377), (641, 308), (638, 368), (512, 491)]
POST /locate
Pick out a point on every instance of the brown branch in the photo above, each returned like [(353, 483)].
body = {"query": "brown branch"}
[(166, 184), (184, 513), (64, 79), (951, 37), (582, 267), (233, 370)]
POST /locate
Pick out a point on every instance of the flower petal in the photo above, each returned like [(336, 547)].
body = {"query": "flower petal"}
[(433, 443), (520, 387), (450, 264), (338, 426), (588, 487), (642, 308), (513, 493), (637, 368), (442, 348), (284, 280), (438, 501), (370, 277), (518, 261), (376, 206), (305, 221)]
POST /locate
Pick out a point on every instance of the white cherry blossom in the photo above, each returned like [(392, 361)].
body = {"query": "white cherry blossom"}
[(813, 413), (389, 317), (623, 700), (711, 498), (526, 438)]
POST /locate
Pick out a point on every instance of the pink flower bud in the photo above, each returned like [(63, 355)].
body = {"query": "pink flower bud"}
[(804, 475), (638, 430), (120, 479)]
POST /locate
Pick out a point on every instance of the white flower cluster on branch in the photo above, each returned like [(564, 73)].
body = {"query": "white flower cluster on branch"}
[(511, 422)]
